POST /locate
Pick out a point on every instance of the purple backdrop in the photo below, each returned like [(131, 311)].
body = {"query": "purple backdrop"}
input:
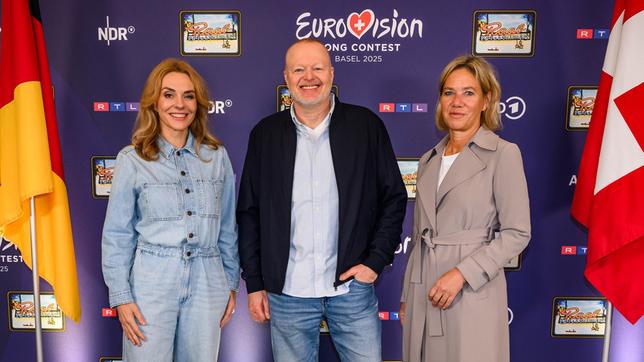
[(396, 60)]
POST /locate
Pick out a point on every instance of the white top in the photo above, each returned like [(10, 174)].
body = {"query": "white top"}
[(446, 163), (314, 215)]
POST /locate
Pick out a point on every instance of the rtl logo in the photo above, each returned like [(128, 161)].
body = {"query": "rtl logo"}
[(593, 33), (568, 250), (573, 250), (402, 107), (109, 313), (388, 316), (116, 107)]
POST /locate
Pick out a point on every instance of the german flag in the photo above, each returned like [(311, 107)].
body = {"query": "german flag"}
[(30, 158)]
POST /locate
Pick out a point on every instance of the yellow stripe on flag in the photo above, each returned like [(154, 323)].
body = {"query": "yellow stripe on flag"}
[(25, 171), (56, 260), (25, 164)]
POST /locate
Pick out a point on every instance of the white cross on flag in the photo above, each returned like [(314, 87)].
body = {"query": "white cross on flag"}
[(609, 198)]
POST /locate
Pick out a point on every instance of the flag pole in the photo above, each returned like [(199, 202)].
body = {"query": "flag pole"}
[(607, 331), (36, 278)]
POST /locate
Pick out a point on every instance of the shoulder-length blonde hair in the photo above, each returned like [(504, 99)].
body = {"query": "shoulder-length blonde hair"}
[(486, 77), (147, 127)]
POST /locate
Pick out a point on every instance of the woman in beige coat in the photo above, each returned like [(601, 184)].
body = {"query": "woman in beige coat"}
[(471, 217)]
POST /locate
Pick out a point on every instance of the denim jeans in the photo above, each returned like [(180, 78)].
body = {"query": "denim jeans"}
[(182, 293), (352, 319)]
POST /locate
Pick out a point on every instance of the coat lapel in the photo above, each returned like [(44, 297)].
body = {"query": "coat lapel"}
[(467, 164), (428, 181)]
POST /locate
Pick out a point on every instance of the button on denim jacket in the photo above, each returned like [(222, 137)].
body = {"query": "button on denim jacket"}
[(174, 201)]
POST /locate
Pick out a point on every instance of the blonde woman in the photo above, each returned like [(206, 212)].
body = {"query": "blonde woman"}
[(471, 217)]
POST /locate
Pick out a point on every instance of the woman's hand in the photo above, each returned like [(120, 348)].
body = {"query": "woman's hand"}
[(230, 309), (446, 288), (401, 314), (130, 317)]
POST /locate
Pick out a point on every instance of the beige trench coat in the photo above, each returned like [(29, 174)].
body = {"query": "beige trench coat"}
[(477, 221)]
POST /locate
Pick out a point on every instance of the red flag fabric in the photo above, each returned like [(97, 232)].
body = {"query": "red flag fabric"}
[(609, 197), (30, 159)]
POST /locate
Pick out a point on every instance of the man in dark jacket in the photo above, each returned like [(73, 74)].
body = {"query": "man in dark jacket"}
[(320, 212)]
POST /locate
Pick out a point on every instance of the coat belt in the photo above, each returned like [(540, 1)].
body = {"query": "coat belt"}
[(426, 249)]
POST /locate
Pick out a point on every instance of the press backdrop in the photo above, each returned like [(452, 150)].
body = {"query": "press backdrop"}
[(387, 56)]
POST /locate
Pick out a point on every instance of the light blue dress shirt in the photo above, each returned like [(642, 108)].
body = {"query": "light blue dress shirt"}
[(180, 198), (313, 254)]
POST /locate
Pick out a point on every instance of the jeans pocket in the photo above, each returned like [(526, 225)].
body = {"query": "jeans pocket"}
[(218, 276), (153, 274), (136, 263), (210, 197), (161, 201), (362, 284)]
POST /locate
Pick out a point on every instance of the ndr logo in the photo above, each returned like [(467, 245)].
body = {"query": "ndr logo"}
[(109, 33), (402, 247)]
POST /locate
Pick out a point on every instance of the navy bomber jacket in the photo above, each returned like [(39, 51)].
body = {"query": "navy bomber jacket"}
[(372, 196)]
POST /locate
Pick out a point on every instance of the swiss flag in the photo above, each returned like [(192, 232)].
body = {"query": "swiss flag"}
[(609, 198)]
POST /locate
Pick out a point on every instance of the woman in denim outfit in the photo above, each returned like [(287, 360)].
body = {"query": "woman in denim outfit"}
[(170, 256)]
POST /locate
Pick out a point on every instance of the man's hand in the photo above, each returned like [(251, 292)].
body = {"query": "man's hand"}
[(446, 288), (230, 309), (258, 306), (130, 317), (361, 273)]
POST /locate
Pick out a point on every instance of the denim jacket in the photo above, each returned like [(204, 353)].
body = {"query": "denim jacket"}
[(175, 200)]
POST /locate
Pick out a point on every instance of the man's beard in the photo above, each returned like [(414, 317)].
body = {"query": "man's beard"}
[(311, 102)]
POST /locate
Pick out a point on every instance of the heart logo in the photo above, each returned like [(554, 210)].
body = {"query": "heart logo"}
[(360, 23)]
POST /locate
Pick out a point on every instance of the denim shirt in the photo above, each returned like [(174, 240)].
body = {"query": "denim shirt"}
[(175, 200)]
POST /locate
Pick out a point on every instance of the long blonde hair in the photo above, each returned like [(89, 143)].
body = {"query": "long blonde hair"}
[(486, 77), (147, 127)]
